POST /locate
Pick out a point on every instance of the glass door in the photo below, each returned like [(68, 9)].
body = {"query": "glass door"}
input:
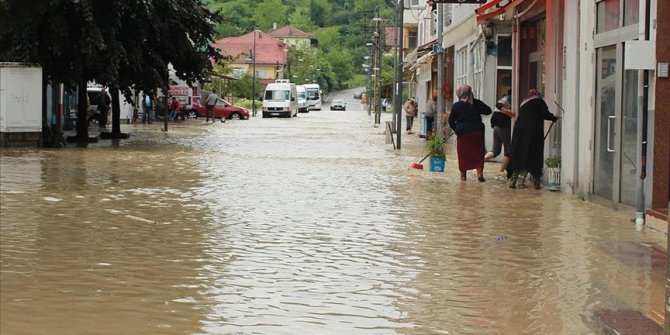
[(605, 154)]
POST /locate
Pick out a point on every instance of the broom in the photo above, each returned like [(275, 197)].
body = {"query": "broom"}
[(419, 166)]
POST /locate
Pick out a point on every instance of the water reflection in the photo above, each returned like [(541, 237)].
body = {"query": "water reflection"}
[(306, 225)]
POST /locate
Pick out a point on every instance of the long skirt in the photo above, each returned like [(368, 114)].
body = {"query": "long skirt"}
[(470, 149)]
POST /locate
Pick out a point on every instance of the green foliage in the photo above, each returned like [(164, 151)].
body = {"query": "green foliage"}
[(553, 161), (269, 12), (435, 145)]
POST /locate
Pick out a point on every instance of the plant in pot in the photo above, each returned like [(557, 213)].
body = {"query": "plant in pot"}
[(437, 156), (553, 172)]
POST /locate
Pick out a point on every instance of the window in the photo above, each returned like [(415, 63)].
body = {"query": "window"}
[(412, 38), (277, 95), (608, 15), (504, 50), (631, 13), (461, 66)]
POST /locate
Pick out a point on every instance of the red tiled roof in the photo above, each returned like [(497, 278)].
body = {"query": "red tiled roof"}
[(289, 31), (269, 50)]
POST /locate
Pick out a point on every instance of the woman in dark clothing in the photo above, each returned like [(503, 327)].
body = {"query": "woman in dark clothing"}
[(466, 121), (528, 139)]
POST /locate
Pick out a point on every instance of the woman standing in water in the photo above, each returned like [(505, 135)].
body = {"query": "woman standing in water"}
[(466, 121), (528, 139)]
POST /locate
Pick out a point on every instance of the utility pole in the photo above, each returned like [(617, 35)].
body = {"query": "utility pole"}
[(397, 100), (253, 83), (378, 69), (440, 70)]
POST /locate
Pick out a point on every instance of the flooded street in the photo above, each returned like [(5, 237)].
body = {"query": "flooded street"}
[(309, 225)]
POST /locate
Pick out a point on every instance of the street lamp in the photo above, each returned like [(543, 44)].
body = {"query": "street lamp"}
[(253, 83)]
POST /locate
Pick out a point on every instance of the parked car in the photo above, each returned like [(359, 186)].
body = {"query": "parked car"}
[(223, 109), (387, 105), (338, 104)]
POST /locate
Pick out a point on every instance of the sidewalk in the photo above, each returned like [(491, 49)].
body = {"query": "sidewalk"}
[(652, 255)]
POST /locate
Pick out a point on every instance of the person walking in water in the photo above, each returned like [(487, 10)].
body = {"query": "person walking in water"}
[(528, 140), (501, 122), (466, 121), (410, 113), (212, 98)]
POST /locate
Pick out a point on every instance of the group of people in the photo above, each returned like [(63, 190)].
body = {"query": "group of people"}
[(523, 149)]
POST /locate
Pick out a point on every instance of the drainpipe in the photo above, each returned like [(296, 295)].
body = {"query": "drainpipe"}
[(642, 127), (440, 72)]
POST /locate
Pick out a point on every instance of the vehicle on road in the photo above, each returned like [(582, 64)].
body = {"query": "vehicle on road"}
[(357, 95), (313, 96), (222, 109), (338, 104), (280, 99), (387, 105), (302, 99)]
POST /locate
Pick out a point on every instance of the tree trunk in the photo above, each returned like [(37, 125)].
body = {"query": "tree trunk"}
[(116, 112), (82, 119)]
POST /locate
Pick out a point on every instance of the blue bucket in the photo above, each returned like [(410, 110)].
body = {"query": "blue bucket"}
[(437, 164)]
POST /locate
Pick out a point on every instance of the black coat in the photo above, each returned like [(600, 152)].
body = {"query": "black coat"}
[(528, 137)]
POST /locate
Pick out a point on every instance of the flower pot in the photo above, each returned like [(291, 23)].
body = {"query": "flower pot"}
[(554, 179), (437, 164)]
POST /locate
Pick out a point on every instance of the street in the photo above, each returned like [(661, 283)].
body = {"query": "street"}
[(306, 225)]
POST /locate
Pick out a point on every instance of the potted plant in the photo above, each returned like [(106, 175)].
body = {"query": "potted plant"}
[(437, 157), (553, 172)]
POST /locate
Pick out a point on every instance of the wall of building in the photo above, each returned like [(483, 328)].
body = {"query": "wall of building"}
[(586, 95), (661, 114), (570, 148)]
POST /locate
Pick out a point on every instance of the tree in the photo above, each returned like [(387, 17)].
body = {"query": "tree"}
[(124, 44), (269, 12)]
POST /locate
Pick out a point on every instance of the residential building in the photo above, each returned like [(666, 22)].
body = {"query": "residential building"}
[(293, 37), (258, 50)]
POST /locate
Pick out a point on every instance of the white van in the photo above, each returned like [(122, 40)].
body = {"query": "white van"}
[(302, 99), (313, 96), (280, 99)]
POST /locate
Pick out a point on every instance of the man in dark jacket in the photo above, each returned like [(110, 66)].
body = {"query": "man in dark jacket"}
[(528, 139), (104, 101)]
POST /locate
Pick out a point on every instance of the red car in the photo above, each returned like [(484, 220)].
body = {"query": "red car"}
[(223, 109)]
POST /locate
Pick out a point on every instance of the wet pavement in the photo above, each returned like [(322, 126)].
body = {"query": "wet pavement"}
[(309, 225)]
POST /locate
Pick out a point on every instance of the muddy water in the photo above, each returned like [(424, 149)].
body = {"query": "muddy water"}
[(309, 225)]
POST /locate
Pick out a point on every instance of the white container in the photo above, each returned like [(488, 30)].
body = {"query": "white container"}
[(20, 98), (553, 179)]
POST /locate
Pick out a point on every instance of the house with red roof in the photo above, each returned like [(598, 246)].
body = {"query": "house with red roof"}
[(293, 36), (270, 55)]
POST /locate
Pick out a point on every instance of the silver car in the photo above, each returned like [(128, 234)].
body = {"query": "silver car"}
[(338, 104)]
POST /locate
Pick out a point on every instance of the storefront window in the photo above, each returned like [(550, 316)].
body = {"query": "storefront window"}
[(631, 12), (504, 50), (608, 15)]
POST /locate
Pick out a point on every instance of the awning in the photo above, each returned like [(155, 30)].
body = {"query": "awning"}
[(411, 61), (494, 8), (459, 31)]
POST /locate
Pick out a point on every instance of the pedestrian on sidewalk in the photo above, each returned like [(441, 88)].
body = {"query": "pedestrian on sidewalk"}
[(528, 140), (501, 122), (174, 109), (410, 113), (147, 107), (104, 101), (212, 98), (466, 121), (431, 108)]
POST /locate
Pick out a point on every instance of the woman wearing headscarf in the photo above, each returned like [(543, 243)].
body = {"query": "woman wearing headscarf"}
[(528, 139), (466, 121)]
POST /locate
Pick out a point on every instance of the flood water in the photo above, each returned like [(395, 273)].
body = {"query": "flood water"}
[(310, 225)]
